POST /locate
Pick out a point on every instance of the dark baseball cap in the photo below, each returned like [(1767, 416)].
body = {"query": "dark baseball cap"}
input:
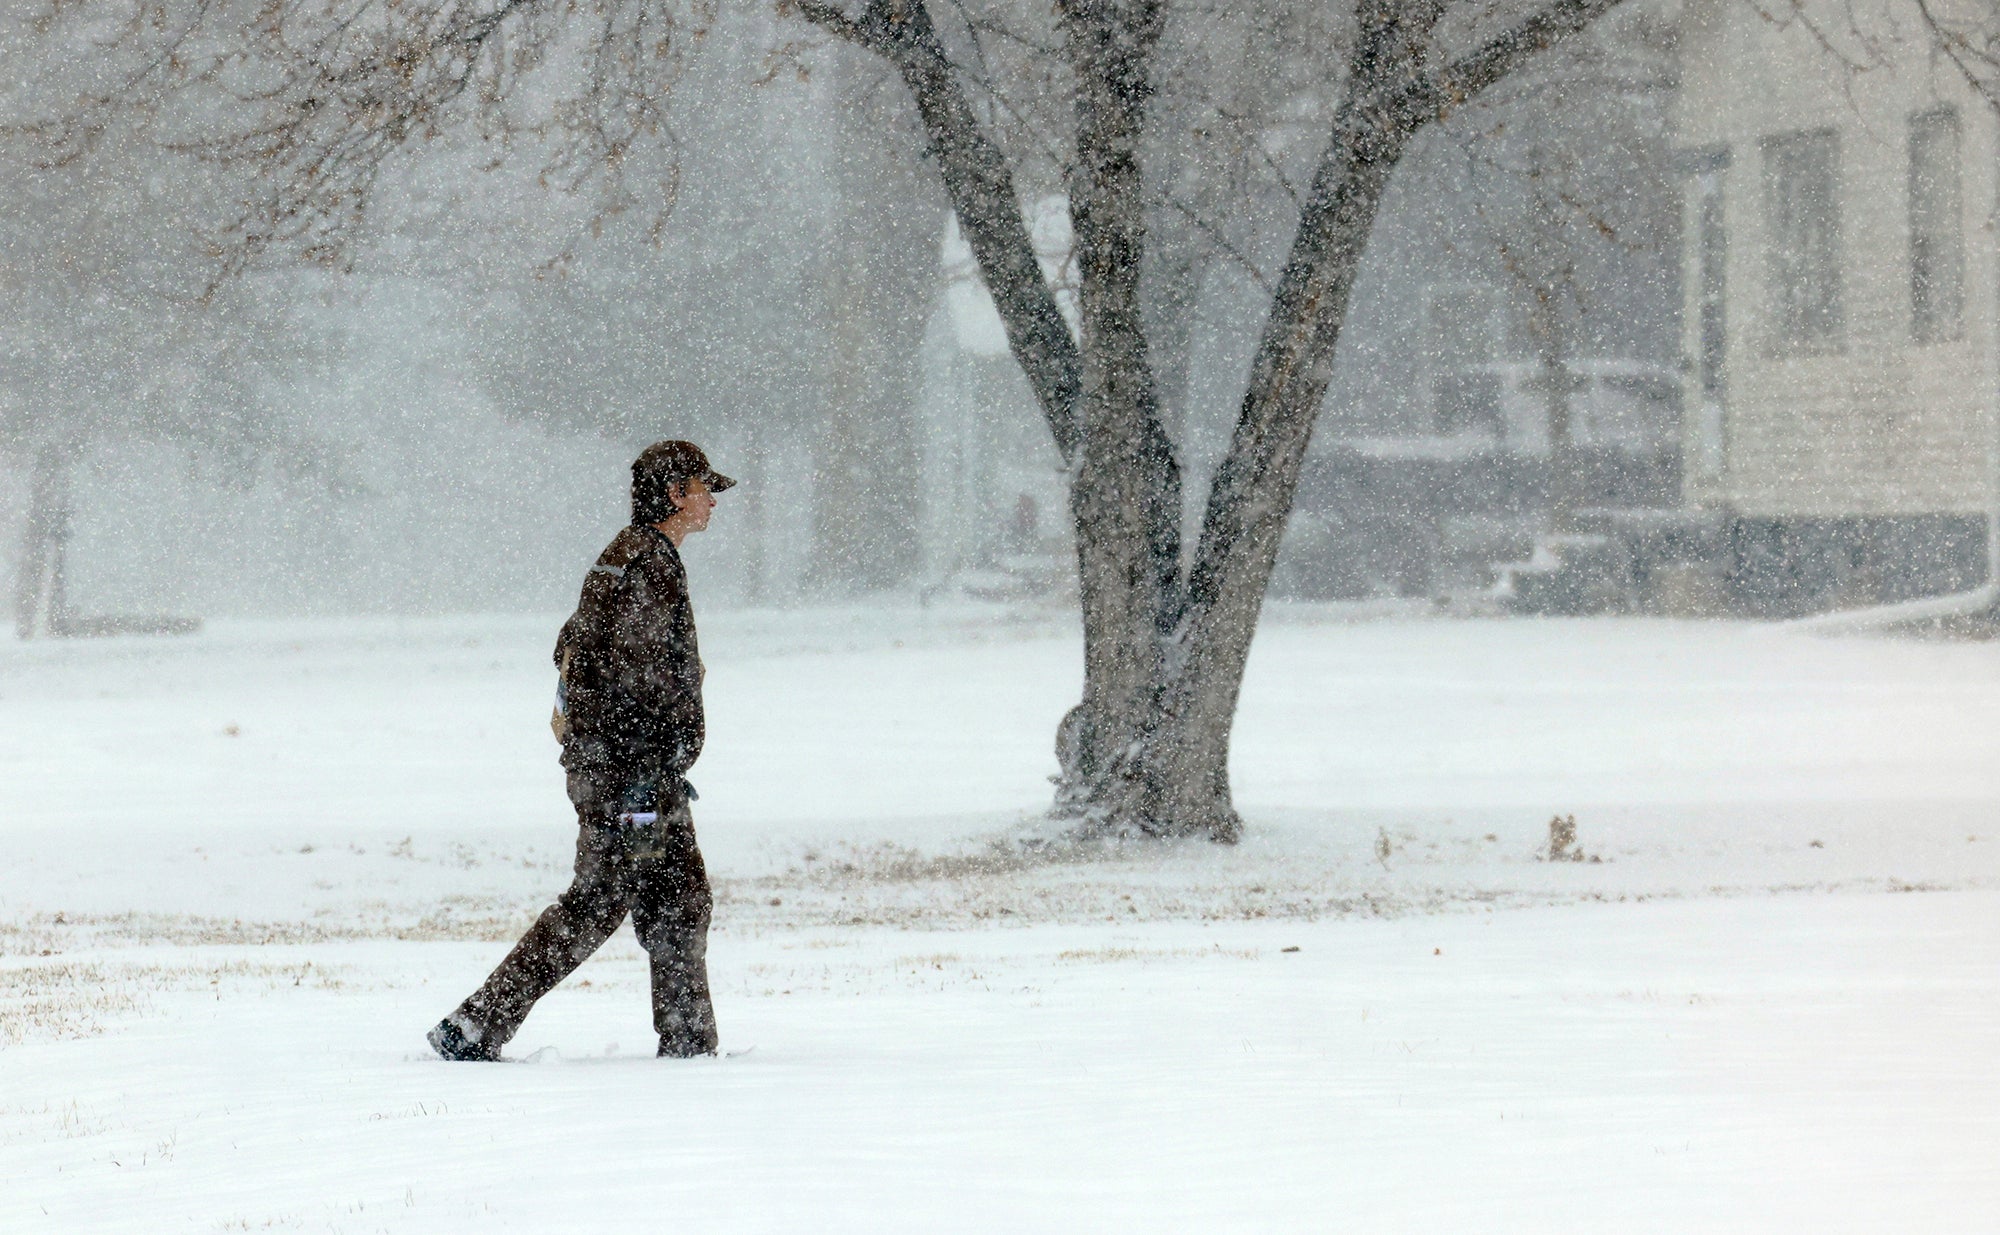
[(675, 462), (663, 465)]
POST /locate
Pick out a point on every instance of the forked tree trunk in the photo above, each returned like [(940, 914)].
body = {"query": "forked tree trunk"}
[(1147, 749)]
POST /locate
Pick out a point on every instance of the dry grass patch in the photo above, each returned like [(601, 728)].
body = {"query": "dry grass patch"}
[(1108, 956), (58, 999)]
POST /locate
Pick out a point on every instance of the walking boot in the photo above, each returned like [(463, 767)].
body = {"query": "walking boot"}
[(450, 1042), (683, 1048)]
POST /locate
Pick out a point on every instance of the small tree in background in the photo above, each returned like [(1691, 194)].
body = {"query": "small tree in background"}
[(103, 338)]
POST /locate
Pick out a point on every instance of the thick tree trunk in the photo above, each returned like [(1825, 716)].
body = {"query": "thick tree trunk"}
[(1125, 491)]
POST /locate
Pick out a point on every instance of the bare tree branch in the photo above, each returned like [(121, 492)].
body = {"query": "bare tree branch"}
[(306, 102), (1434, 96), (1221, 242), (1971, 44)]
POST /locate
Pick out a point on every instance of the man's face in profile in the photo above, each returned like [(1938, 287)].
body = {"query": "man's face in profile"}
[(694, 504)]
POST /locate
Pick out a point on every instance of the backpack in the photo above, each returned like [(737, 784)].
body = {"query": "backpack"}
[(597, 592)]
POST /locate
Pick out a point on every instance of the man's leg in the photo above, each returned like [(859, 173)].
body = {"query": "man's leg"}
[(568, 931), (671, 905)]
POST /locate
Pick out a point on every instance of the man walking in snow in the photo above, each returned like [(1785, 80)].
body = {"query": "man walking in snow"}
[(628, 712)]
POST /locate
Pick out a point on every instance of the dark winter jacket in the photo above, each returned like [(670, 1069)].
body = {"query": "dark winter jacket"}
[(631, 672)]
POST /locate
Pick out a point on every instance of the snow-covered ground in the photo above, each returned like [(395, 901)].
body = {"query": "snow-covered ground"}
[(244, 871)]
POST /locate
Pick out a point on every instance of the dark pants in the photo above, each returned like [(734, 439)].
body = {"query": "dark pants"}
[(652, 871)]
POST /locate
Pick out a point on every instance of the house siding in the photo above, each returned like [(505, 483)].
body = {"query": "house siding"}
[(1880, 425)]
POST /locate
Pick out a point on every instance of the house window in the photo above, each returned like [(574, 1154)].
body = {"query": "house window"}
[(1709, 442), (1712, 286), (1802, 217), (1937, 238)]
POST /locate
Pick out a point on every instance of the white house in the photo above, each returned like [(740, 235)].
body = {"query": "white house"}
[(1841, 298)]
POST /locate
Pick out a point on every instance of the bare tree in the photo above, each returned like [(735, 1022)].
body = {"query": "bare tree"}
[(312, 96), (1167, 639)]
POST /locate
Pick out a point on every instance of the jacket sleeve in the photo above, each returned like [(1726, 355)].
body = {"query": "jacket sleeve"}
[(657, 663)]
